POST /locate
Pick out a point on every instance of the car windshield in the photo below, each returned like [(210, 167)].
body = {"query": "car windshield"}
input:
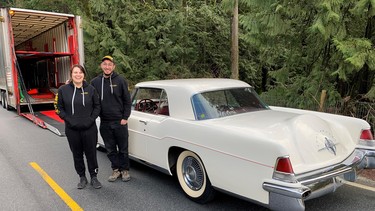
[(221, 103)]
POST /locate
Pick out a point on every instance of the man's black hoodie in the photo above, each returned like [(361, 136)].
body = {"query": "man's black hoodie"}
[(78, 107), (114, 97)]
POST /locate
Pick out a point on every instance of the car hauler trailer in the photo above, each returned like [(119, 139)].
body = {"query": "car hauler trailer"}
[(37, 50)]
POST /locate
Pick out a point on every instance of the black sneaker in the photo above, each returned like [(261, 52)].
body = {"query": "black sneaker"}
[(82, 182), (95, 183)]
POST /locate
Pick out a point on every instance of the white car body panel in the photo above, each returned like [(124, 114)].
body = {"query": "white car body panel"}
[(239, 152)]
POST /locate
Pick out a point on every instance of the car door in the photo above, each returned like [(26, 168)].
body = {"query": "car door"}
[(149, 111)]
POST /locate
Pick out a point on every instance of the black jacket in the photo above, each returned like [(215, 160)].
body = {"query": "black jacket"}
[(114, 96), (85, 108)]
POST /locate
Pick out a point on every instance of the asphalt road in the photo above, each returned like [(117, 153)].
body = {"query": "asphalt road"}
[(23, 188)]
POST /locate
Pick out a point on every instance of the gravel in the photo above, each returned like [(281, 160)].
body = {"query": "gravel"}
[(367, 177)]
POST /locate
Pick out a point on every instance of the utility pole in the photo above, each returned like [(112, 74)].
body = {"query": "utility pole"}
[(234, 46)]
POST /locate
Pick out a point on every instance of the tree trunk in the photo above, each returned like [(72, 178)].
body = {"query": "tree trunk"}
[(234, 47)]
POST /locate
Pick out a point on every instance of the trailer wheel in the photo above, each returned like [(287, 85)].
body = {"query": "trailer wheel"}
[(5, 101), (1, 98)]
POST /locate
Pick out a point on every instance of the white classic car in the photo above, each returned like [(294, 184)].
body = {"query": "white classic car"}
[(216, 134)]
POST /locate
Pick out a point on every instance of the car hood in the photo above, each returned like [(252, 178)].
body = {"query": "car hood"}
[(310, 141)]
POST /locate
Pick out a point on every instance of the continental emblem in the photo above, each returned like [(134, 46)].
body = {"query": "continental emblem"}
[(326, 141), (330, 146)]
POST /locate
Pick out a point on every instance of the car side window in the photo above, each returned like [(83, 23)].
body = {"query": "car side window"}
[(150, 100), (163, 108), (221, 103)]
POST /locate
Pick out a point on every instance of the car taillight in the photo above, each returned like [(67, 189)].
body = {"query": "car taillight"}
[(366, 138), (283, 170), (366, 135), (284, 165)]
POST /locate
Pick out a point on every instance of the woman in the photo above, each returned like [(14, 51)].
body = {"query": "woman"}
[(77, 103)]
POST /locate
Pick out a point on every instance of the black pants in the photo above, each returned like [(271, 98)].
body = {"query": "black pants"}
[(115, 137), (84, 142)]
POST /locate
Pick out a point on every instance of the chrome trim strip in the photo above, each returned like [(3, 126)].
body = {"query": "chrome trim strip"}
[(369, 153), (349, 164), (369, 143), (319, 182), (300, 193), (326, 176)]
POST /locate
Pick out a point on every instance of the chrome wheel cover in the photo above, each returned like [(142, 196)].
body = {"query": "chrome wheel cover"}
[(193, 173)]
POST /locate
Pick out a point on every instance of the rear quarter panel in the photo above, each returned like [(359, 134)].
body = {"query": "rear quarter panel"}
[(235, 161)]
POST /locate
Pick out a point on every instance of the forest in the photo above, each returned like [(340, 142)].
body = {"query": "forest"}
[(291, 50)]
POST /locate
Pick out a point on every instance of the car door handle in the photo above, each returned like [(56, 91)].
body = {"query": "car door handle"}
[(143, 121)]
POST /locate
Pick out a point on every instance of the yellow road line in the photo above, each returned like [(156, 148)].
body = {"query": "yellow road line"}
[(58, 190), (359, 186)]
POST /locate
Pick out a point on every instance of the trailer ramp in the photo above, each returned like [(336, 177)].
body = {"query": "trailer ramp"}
[(48, 120)]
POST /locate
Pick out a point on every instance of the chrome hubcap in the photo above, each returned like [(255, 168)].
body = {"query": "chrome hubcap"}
[(192, 173)]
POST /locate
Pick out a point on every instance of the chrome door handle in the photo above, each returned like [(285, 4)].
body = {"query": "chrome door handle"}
[(143, 121)]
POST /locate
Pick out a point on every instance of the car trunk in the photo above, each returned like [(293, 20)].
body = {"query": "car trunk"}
[(311, 142)]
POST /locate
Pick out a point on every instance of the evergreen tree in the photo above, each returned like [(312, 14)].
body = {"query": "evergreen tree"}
[(293, 49), (306, 47)]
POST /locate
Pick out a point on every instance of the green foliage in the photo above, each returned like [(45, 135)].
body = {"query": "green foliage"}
[(6, 3), (290, 49), (309, 46), (46, 5), (161, 39), (355, 52)]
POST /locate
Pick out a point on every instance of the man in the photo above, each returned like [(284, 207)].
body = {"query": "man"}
[(116, 106)]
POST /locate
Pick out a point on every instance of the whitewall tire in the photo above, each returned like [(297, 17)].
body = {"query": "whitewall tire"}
[(193, 178)]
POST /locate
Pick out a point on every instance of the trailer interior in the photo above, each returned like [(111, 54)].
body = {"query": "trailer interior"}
[(40, 76), (43, 54), (38, 69)]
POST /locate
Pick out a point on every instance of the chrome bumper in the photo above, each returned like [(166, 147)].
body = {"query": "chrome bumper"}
[(317, 183)]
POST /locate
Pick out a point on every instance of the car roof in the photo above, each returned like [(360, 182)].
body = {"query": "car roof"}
[(180, 91), (195, 85)]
